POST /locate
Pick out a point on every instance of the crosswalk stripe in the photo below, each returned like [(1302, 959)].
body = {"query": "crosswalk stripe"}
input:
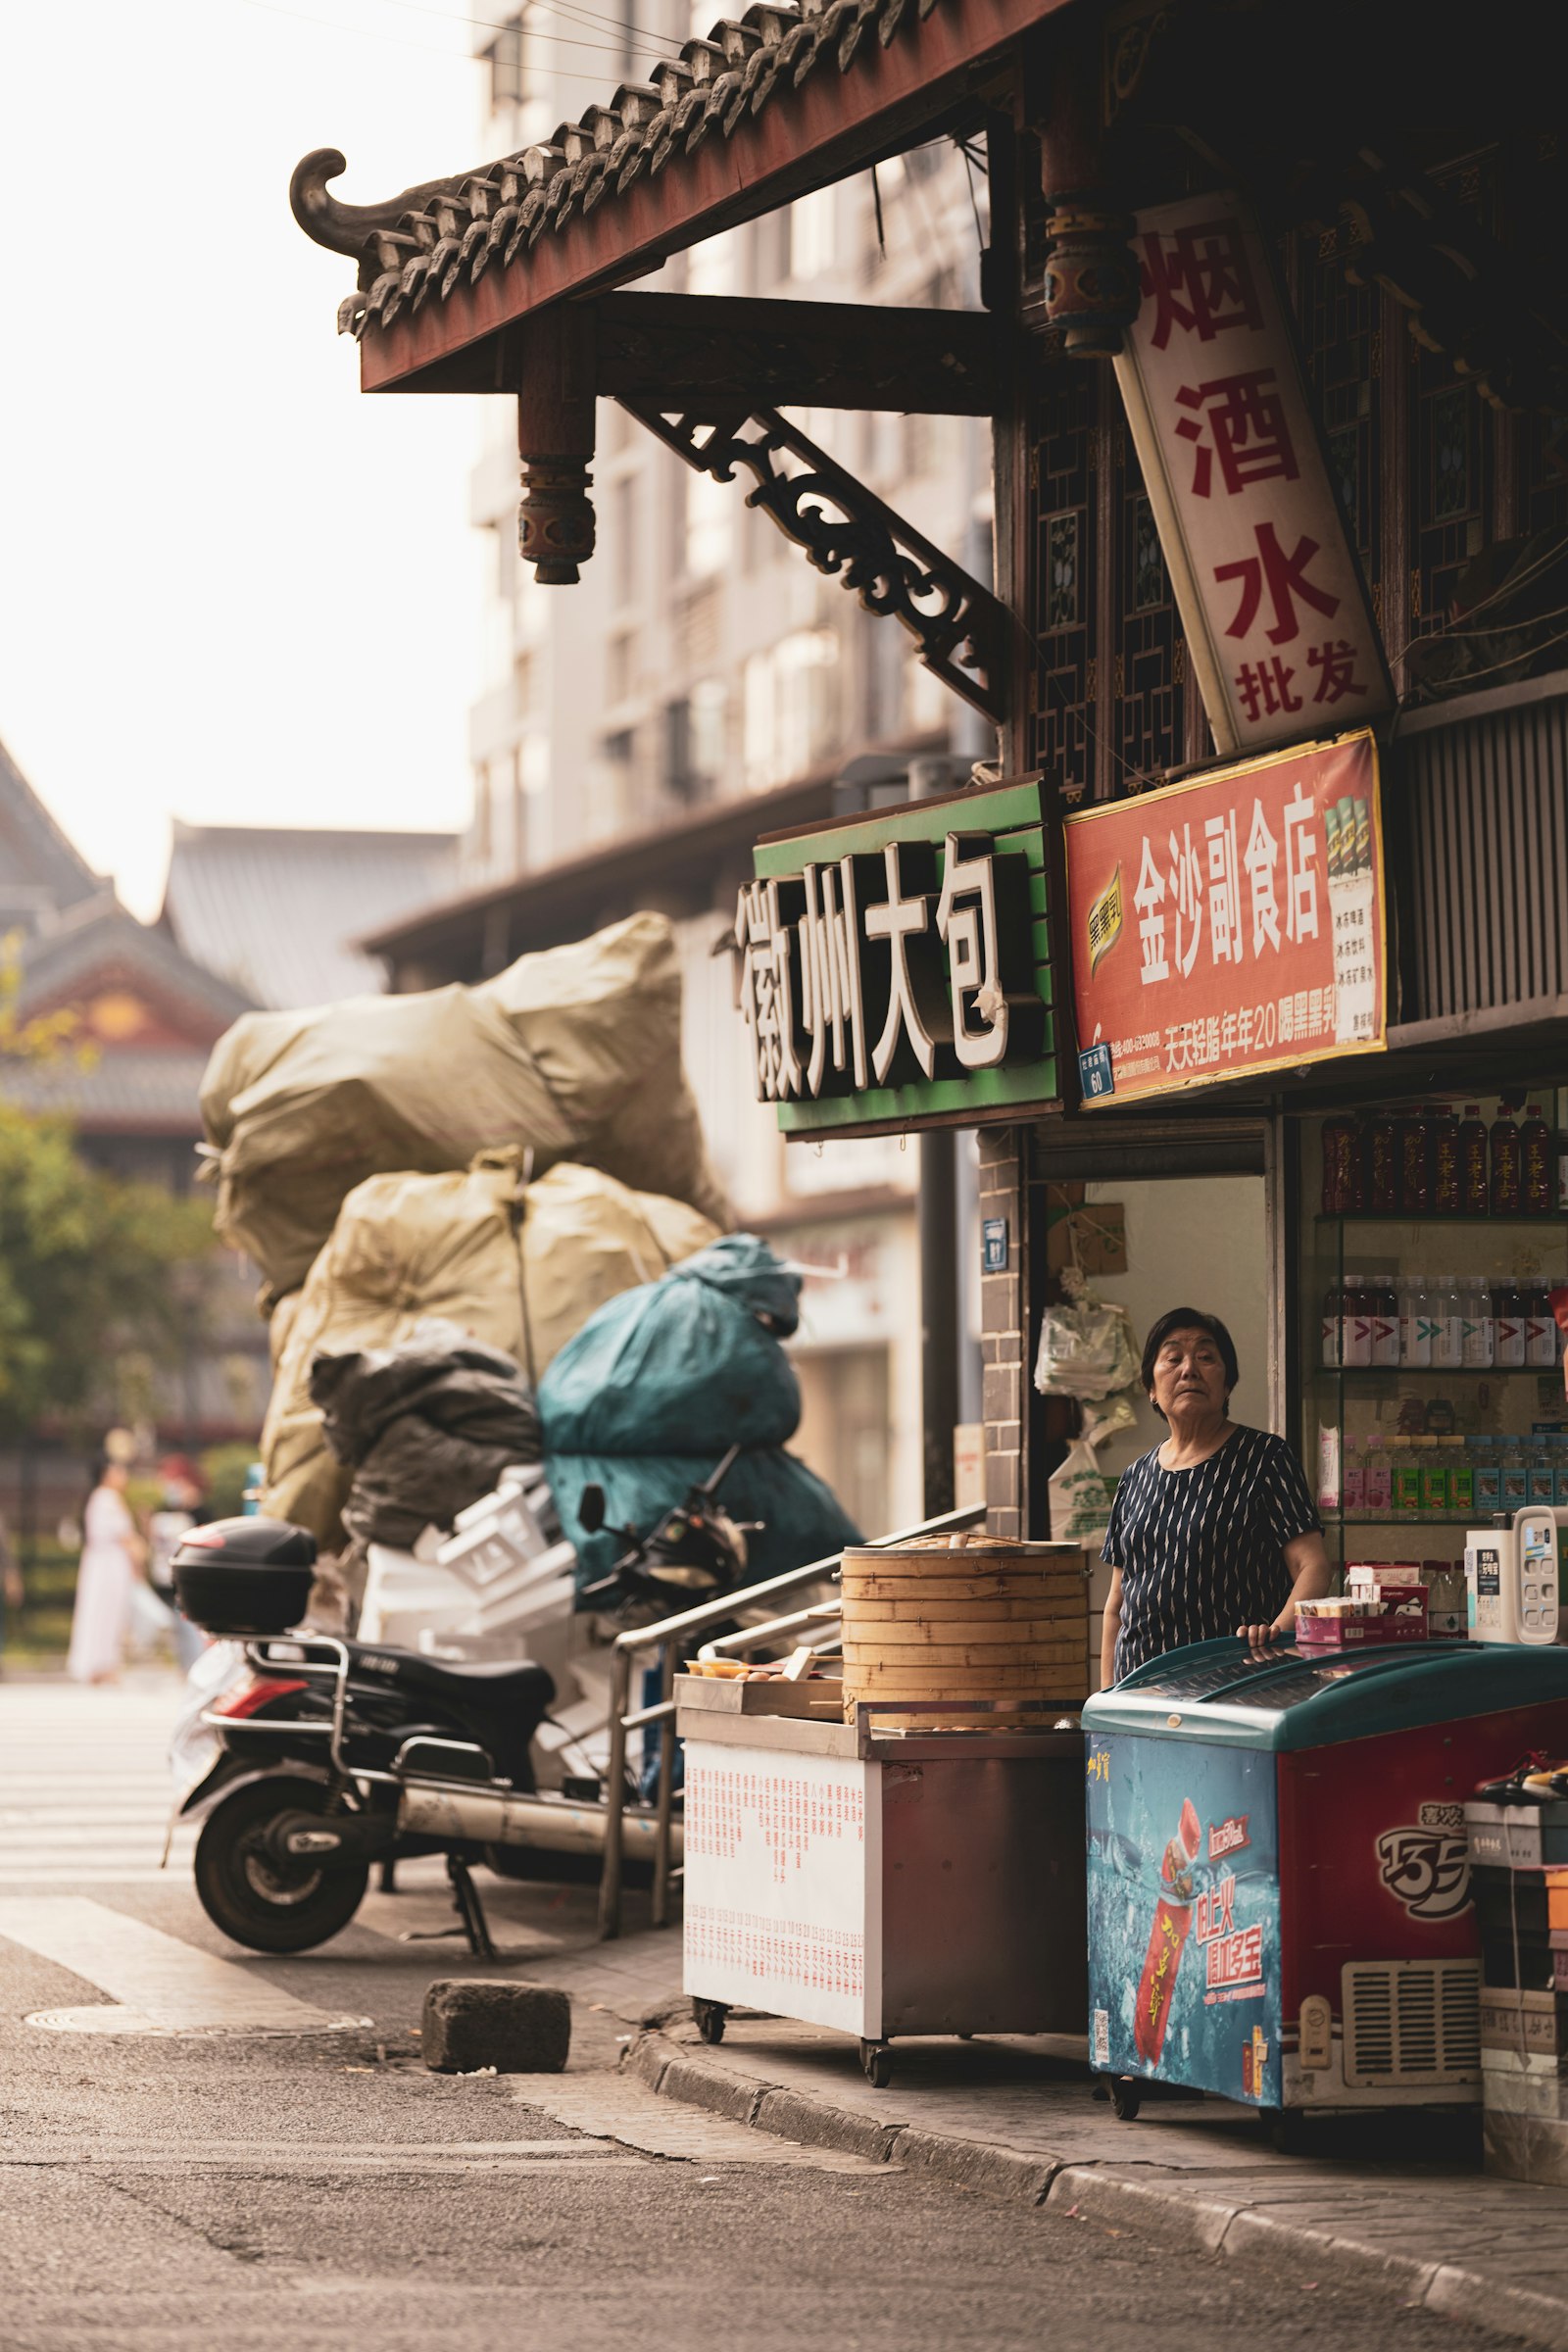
[(171, 1985)]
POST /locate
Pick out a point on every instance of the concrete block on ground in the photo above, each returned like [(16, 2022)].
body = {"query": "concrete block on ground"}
[(475, 2021)]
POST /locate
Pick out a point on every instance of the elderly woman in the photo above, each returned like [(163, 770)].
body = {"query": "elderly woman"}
[(1214, 1531)]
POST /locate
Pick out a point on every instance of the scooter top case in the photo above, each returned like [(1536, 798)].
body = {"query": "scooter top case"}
[(244, 1577)]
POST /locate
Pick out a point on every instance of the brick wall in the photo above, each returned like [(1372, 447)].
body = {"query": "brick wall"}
[(1003, 1327)]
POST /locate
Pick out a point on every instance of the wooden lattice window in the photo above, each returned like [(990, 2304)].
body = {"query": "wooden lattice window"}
[(1062, 539), (1340, 327), (1147, 648)]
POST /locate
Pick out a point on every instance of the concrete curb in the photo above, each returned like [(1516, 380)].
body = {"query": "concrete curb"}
[(1172, 2215)]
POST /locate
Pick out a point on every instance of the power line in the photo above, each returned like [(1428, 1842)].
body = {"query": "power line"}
[(566, 8), (365, 32)]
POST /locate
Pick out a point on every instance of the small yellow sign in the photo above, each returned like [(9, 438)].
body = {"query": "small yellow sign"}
[(1104, 919)]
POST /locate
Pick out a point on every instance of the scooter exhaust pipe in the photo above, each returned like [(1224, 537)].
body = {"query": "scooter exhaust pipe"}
[(553, 1824)]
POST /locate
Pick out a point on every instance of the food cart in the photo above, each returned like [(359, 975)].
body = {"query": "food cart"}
[(883, 1882)]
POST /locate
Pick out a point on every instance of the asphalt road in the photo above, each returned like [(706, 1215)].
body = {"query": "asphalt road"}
[(313, 2187)]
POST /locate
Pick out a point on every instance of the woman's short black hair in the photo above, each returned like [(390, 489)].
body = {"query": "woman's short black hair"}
[(1188, 1318)]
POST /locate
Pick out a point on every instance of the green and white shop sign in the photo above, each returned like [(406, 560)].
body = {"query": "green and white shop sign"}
[(895, 969)]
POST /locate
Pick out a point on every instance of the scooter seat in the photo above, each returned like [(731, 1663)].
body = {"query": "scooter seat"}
[(494, 1686)]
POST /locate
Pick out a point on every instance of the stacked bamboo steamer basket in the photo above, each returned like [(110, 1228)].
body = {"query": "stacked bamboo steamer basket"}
[(963, 1618)]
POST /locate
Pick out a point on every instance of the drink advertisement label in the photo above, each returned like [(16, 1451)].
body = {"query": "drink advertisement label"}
[(1184, 1915), (1244, 929)]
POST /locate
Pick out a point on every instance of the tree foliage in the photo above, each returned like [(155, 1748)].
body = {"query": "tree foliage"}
[(100, 1281)]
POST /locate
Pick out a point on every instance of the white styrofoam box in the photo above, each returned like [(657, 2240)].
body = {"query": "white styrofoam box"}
[(405, 1596), (500, 1531)]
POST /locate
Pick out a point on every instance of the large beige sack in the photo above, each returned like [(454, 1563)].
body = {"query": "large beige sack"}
[(410, 1245), (573, 1055)]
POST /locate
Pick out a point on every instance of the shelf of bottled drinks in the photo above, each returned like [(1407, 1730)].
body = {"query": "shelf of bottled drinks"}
[(1433, 1267)]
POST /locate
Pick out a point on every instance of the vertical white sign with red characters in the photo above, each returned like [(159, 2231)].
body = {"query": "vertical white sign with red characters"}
[(1277, 622), (783, 1884)]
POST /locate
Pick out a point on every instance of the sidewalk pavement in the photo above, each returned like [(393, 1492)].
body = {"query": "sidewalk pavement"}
[(1395, 2202)]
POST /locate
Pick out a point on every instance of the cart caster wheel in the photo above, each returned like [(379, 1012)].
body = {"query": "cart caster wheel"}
[(876, 2064), (1287, 2130), (1126, 2094), (712, 2017)]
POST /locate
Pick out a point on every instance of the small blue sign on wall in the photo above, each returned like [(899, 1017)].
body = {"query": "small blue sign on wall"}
[(994, 1245), (1094, 1074)]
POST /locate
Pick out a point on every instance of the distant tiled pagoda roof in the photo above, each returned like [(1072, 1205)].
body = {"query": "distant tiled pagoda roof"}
[(764, 91), (41, 872), (277, 909), (154, 1092)]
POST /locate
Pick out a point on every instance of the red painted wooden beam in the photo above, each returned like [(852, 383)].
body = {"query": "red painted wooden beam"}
[(803, 139)]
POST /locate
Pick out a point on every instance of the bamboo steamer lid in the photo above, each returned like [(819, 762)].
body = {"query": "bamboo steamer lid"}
[(964, 1619)]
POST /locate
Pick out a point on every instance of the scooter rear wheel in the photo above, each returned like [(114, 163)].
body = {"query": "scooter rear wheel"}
[(271, 1905)]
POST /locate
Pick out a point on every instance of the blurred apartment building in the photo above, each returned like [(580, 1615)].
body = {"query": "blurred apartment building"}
[(702, 685)]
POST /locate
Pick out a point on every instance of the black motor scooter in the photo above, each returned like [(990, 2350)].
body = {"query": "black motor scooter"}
[(337, 1754)]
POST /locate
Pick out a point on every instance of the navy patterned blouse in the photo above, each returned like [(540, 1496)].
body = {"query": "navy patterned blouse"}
[(1201, 1549)]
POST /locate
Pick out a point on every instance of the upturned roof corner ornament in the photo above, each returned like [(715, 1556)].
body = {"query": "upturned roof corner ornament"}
[(346, 227)]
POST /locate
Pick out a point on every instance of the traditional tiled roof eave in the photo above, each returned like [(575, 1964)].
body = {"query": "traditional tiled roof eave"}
[(772, 103)]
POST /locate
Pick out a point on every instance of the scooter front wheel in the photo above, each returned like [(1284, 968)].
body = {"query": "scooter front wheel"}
[(260, 1900)]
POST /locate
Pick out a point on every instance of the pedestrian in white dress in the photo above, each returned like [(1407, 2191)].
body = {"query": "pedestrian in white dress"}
[(111, 1561)]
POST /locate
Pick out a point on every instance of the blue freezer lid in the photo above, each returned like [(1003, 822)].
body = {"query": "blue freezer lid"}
[(1285, 1699)]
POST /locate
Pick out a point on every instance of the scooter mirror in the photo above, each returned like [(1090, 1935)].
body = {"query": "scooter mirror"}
[(591, 1510)]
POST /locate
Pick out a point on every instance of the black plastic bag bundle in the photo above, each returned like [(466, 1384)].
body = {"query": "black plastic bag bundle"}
[(426, 1426)]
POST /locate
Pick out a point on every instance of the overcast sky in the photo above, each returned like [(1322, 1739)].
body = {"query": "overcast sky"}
[(231, 587)]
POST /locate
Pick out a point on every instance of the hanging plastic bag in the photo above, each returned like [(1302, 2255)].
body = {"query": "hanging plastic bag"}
[(1080, 1498), (1086, 1348), (1108, 1417)]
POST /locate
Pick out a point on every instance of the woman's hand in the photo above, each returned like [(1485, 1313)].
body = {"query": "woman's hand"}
[(1307, 1561)]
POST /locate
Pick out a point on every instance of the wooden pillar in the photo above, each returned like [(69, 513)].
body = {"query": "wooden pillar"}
[(556, 442), (1091, 271)]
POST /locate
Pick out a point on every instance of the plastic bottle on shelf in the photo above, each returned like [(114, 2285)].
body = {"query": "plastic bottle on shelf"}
[(1487, 1457), (1382, 1163), (1460, 1477), (1407, 1477), (1540, 1326), (1540, 1469), (1475, 1188), (1505, 1144), (1415, 1338), (1515, 1479), (1508, 1309), (1353, 1480), (1447, 1323), (1357, 1324), (1342, 1152), (1329, 1462), (1377, 1493), (1433, 1478), (1443, 1152), (1480, 1344), (1386, 1322), (1415, 1164), (1536, 1170), (1333, 1343)]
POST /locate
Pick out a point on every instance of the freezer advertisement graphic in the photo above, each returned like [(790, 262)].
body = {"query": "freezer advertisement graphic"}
[(1184, 1915)]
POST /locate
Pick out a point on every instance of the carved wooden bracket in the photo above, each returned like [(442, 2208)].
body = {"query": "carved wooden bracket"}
[(961, 630)]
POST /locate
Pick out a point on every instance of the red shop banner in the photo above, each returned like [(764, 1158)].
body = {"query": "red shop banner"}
[(1232, 924)]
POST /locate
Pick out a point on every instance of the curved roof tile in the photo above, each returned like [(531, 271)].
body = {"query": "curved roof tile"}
[(424, 243)]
